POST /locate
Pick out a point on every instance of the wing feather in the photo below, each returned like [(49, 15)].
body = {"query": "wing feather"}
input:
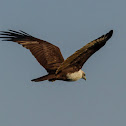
[(82, 55), (47, 54)]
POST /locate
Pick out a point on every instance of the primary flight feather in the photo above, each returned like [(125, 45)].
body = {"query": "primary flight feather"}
[(50, 57)]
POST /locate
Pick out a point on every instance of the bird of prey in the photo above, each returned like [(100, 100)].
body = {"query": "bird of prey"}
[(50, 57)]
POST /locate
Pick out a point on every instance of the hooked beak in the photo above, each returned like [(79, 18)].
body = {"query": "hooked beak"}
[(84, 77)]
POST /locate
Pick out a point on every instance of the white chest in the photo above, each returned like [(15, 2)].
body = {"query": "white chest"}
[(75, 76)]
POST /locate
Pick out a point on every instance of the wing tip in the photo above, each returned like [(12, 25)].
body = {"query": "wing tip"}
[(110, 33)]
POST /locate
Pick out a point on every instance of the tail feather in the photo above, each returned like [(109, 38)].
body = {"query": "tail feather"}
[(46, 77)]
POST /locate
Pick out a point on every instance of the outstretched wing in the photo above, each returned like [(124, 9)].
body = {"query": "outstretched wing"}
[(47, 54), (81, 55)]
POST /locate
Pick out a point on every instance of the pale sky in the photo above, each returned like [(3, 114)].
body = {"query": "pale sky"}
[(69, 24)]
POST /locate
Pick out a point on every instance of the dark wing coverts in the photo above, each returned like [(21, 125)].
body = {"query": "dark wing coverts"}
[(81, 55), (47, 54)]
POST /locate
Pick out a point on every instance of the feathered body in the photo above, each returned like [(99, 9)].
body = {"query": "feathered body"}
[(50, 57)]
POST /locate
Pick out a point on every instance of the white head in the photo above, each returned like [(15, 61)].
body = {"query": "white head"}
[(83, 75), (76, 75)]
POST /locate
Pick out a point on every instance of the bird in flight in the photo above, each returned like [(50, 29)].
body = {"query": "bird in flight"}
[(50, 57)]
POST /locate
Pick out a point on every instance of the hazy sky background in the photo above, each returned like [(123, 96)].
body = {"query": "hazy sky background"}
[(69, 24)]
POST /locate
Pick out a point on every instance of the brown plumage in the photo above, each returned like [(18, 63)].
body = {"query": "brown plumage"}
[(50, 57)]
